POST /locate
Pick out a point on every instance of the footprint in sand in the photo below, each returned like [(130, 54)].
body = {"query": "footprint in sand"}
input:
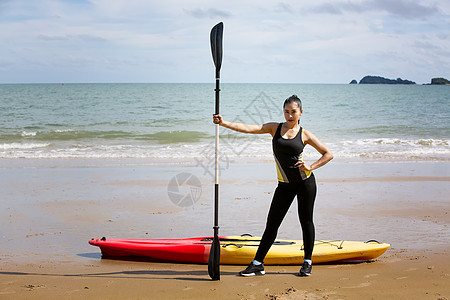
[(31, 287)]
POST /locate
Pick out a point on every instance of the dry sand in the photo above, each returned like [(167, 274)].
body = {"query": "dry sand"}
[(50, 209)]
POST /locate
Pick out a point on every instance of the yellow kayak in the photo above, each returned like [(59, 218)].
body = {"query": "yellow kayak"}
[(290, 252)]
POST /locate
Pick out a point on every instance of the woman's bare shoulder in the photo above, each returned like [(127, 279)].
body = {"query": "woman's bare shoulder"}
[(270, 127)]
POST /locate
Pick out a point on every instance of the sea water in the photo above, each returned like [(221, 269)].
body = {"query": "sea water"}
[(173, 122)]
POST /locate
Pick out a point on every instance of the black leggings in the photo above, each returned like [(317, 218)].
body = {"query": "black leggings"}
[(282, 200)]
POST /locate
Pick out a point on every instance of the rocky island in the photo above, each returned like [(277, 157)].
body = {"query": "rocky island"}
[(382, 80), (440, 81)]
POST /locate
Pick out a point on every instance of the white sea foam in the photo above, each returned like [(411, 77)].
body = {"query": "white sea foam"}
[(395, 148), (22, 146), (28, 133), (229, 151)]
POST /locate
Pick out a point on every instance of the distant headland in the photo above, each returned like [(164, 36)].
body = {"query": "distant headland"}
[(382, 80)]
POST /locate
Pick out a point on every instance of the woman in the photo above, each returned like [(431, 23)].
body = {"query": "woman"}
[(295, 178)]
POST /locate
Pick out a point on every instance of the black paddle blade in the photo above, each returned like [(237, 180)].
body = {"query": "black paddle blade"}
[(214, 259), (216, 45)]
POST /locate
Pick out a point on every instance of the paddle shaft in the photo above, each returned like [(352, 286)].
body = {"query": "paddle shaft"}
[(216, 185)]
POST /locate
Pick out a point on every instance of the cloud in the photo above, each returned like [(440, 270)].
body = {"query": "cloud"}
[(284, 7), (66, 37), (403, 8), (211, 13)]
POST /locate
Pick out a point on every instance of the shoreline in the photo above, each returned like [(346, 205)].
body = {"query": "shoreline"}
[(186, 161), (53, 207)]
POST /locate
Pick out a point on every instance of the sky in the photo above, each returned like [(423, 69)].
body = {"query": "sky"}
[(321, 41)]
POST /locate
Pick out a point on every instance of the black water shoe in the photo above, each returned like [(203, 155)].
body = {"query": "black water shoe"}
[(253, 270), (305, 270)]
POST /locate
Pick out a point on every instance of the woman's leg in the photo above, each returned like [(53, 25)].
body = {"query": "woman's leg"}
[(306, 197), (281, 201)]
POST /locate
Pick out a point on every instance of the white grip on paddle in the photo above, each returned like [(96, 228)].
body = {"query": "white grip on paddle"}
[(217, 155)]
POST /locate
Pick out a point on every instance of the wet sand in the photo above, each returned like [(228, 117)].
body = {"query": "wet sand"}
[(49, 209)]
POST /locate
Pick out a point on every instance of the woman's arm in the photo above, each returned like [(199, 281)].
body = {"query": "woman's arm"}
[(311, 139), (245, 128)]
